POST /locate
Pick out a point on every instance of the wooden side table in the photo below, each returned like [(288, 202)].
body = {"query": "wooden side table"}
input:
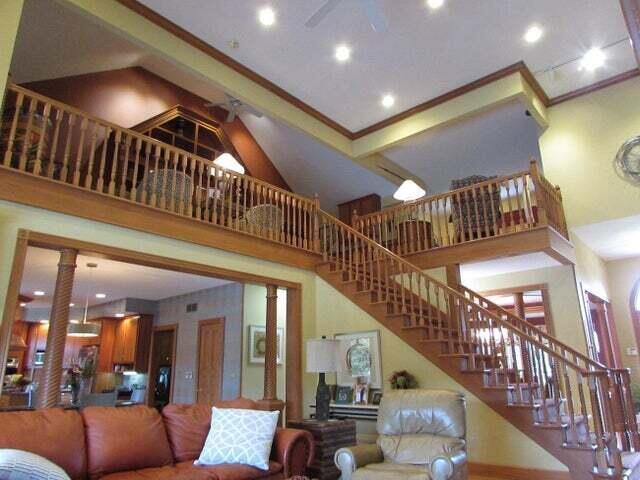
[(328, 436)]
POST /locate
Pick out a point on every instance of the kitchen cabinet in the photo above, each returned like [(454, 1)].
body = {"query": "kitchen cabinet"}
[(107, 344), (133, 342), (36, 340)]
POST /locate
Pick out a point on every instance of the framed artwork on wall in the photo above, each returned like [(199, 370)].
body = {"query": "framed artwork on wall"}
[(359, 356), (258, 344)]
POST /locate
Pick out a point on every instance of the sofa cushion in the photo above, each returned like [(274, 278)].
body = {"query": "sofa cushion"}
[(188, 426), (229, 471), (126, 438), (391, 471), (239, 436), (162, 473), (417, 449), (58, 433), (21, 465)]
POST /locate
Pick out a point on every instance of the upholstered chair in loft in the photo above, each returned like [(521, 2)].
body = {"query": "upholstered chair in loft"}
[(476, 213), (421, 436)]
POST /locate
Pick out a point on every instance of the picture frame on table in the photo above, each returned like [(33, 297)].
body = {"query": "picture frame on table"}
[(344, 395), (376, 397), (359, 356), (258, 342)]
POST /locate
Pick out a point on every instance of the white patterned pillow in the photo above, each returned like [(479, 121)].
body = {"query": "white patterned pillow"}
[(239, 436), (21, 465)]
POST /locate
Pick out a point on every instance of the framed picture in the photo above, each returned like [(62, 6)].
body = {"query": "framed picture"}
[(344, 395), (376, 396), (258, 344), (359, 356), (361, 396)]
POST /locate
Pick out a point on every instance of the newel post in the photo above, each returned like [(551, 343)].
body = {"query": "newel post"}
[(270, 400), (49, 393)]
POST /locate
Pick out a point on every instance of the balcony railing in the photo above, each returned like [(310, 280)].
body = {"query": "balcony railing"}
[(488, 209), (46, 138)]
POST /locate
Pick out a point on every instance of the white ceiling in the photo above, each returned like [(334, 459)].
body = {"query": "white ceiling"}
[(310, 167), (423, 53), (498, 266), (118, 280), (496, 142), (613, 239)]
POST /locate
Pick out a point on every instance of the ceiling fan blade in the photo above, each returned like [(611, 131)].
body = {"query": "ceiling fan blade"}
[(375, 13), (322, 12)]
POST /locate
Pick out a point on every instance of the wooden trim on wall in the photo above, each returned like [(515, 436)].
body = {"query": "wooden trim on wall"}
[(27, 189), (294, 370), (503, 472), (11, 298), (608, 82)]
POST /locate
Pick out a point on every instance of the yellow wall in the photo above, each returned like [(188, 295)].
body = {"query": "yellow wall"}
[(255, 313), (578, 149), (591, 270), (491, 439), (623, 276)]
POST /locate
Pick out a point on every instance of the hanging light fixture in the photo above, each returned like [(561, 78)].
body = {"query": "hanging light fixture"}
[(409, 191), (228, 162), (84, 328)]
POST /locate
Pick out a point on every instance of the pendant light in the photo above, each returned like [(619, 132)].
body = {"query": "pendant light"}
[(409, 191), (84, 328)]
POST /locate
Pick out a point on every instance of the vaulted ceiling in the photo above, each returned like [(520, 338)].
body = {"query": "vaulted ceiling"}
[(423, 53)]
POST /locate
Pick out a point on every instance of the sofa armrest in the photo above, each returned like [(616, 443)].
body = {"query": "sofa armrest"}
[(351, 458), (446, 467), (293, 449)]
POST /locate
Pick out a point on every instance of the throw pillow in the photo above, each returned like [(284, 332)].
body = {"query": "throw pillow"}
[(21, 465), (239, 436)]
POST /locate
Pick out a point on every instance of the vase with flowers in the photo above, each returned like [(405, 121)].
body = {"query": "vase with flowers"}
[(79, 379), (402, 380)]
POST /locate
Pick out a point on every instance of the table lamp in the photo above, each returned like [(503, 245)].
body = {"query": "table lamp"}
[(322, 357)]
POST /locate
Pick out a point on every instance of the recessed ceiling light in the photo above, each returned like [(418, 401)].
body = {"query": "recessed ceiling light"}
[(43, 321), (38, 293), (435, 3), (101, 295), (343, 53), (593, 59), (267, 16), (72, 304), (388, 101), (533, 34), (119, 315), (22, 304)]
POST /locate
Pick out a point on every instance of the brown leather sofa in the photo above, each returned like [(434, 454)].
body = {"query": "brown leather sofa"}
[(137, 443)]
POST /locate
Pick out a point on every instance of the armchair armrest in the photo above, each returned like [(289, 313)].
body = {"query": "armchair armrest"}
[(293, 449), (445, 467), (351, 458)]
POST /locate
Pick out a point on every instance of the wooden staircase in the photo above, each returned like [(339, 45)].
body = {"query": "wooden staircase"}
[(577, 409)]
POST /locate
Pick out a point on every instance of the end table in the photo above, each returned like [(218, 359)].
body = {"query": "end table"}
[(328, 436)]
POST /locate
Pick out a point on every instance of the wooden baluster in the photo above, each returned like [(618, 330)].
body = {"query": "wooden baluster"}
[(103, 160), (37, 167), (134, 179), (88, 179), (494, 215), (147, 163), (477, 231), (212, 185), (26, 142), (125, 167), (518, 201), (170, 159), (59, 114), (114, 162), (64, 171), (583, 404), (76, 173), (153, 201), (9, 153)]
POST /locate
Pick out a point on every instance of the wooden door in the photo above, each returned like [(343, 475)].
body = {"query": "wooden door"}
[(606, 348), (210, 359)]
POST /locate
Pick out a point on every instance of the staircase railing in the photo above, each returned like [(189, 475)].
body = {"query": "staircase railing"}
[(492, 208), (42, 137), (563, 387)]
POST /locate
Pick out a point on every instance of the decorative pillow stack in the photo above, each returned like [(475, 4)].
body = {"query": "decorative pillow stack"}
[(21, 465), (239, 436)]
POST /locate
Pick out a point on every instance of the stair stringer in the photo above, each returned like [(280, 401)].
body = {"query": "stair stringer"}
[(578, 461)]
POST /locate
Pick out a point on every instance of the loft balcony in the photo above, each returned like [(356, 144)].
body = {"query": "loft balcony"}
[(505, 216)]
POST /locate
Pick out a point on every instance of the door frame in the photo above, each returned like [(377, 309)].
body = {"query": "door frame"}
[(201, 323), (609, 328), (635, 314), (151, 384), (26, 238)]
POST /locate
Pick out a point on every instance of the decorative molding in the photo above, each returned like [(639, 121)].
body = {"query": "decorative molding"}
[(608, 82)]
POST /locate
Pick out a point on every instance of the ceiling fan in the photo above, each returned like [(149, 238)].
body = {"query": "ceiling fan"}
[(373, 9), (234, 106)]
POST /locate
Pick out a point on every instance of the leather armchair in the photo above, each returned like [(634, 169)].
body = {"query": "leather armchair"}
[(421, 437)]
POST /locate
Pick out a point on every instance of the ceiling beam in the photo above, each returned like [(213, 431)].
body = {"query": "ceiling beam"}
[(631, 11)]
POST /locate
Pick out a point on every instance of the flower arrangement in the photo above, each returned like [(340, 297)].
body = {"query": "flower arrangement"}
[(402, 380)]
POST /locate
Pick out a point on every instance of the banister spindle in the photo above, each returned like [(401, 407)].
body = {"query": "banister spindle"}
[(114, 163), (9, 153), (26, 139)]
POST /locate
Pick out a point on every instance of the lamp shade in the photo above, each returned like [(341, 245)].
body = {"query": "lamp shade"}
[(228, 162), (408, 191), (322, 355)]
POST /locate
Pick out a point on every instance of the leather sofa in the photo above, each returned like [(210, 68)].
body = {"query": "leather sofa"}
[(138, 443), (421, 437)]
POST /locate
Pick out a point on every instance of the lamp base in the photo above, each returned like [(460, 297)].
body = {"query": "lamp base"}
[(323, 399)]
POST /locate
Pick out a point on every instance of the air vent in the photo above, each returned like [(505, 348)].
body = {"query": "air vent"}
[(192, 307)]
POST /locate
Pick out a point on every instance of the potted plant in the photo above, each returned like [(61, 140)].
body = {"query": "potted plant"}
[(402, 380)]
